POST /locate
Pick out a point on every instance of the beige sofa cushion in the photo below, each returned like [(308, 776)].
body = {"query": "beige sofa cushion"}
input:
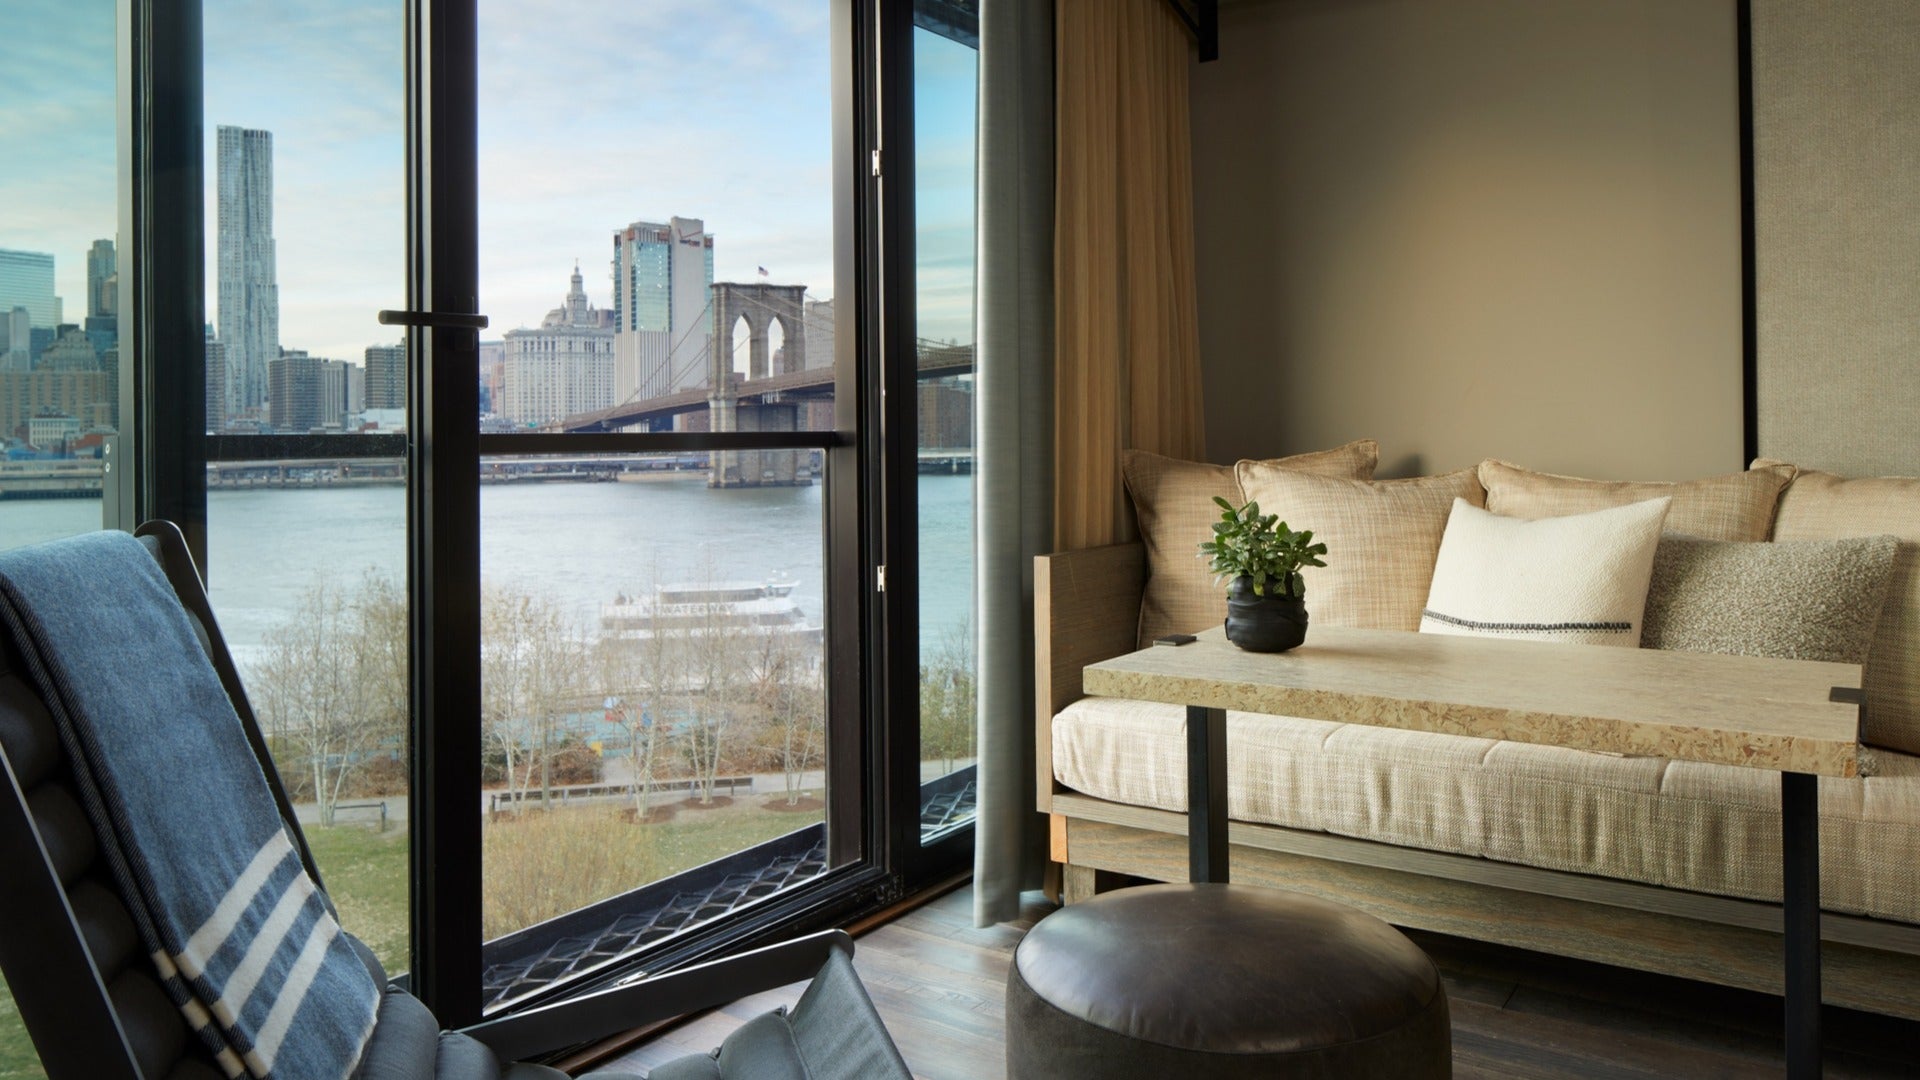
[(1382, 538), (1801, 599), (1173, 500), (1822, 506), (1706, 828), (1737, 506)]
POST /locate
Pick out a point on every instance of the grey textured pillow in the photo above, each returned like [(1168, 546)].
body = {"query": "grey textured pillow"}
[(1804, 600)]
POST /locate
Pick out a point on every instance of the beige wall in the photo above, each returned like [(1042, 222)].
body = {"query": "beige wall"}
[(1473, 228), (1836, 141)]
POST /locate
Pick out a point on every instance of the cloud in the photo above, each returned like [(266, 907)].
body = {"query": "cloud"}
[(58, 186)]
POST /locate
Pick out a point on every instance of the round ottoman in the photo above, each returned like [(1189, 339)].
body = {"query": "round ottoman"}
[(1222, 981)]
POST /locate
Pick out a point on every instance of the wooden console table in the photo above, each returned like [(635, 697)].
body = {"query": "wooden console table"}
[(1796, 717)]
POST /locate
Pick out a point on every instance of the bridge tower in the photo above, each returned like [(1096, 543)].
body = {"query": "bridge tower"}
[(760, 307)]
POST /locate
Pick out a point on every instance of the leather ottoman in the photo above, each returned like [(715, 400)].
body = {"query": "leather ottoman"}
[(1222, 981)]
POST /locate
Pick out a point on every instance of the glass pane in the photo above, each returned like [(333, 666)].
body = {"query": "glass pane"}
[(59, 385), (944, 88), (653, 703), (58, 361), (656, 217), (306, 546), (656, 236)]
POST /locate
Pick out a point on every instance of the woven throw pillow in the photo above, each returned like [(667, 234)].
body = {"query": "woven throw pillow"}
[(1381, 536), (1579, 579), (1804, 600), (1173, 500), (1737, 506), (1822, 506)]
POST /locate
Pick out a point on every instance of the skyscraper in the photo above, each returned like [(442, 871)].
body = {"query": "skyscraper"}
[(296, 381), (563, 367), (102, 267), (216, 383), (26, 280), (249, 296), (387, 376), (661, 274)]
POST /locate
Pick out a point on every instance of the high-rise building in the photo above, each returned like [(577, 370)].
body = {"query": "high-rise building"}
[(493, 370), (102, 280), (294, 384), (26, 280), (386, 376), (71, 351), (249, 296), (216, 383), (946, 413), (661, 274), (23, 395), (342, 392), (16, 348), (563, 367)]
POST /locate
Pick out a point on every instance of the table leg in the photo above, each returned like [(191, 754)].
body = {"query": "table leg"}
[(1206, 794), (1800, 850)]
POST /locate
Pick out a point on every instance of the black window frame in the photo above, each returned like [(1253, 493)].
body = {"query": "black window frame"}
[(870, 504)]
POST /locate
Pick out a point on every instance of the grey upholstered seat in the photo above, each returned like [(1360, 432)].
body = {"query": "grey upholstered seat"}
[(95, 1010)]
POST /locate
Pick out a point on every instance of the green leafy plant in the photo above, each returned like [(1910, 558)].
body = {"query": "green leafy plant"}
[(1261, 547)]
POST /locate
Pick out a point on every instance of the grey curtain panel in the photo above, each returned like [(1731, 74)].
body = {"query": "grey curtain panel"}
[(1013, 436)]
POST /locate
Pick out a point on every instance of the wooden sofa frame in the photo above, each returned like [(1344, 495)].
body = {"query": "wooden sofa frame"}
[(1086, 609)]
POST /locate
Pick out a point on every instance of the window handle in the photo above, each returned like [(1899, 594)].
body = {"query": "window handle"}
[(445, 320)]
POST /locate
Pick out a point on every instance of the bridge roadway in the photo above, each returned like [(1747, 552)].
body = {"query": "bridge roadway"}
[(935, 361)]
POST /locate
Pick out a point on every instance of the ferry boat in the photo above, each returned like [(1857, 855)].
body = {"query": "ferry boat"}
[(709, 610)]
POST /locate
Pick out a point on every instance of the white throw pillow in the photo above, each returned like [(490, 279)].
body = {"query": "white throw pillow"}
[(1580, 579)]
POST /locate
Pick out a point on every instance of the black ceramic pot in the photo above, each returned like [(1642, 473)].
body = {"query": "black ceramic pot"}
[(1264, 623)]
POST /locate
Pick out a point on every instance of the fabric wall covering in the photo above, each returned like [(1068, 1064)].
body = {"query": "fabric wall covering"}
[(1836, 186)]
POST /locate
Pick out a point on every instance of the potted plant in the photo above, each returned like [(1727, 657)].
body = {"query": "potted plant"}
[(1260, 559)]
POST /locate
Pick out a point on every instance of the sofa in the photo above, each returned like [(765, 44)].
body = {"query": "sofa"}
[(1641, 862)]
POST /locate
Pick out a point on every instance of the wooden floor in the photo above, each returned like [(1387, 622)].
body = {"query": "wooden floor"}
[(939, 984)]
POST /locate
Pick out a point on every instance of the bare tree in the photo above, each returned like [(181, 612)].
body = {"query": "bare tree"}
[(532, 675), (714, 666), (639, 673), (948, 726), (786, 688), (332, 686)]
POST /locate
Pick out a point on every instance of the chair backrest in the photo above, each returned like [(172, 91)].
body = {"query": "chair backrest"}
[(82, 983)]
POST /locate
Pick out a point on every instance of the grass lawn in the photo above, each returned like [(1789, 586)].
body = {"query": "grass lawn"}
[(366, 874), (542, 865), (17, 1059)]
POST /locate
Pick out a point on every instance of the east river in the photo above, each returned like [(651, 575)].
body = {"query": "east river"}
[(581, 544)]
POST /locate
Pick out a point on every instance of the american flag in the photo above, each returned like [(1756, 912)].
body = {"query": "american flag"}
[(763, 272)]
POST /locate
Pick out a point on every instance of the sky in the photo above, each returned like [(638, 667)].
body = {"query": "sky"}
[(593, 114)]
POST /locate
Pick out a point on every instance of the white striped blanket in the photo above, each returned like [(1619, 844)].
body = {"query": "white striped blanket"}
[(247, 946)]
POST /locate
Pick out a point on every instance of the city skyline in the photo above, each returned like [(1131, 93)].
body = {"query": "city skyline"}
[(683, 108)]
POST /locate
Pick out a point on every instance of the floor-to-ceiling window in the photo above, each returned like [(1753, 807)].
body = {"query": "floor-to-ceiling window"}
[(304, 225), (676, 606), (663, 396), (945, 120), (59, 296)]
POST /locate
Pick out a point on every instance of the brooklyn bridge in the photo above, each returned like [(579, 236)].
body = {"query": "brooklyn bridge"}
[(935, 360), (740, 382)]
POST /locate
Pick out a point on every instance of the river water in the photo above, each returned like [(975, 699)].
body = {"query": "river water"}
[(581, 544)]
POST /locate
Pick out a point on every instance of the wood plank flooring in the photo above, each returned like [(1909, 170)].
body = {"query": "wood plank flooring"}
[(939, 984)]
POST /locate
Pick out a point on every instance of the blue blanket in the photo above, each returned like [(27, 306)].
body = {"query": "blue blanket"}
[(246, 945)]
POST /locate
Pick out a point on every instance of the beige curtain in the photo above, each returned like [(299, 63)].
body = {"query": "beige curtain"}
[(1126, 346)]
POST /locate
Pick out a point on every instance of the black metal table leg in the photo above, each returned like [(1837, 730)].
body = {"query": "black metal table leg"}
[(1206, 794), (1800, 866)]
